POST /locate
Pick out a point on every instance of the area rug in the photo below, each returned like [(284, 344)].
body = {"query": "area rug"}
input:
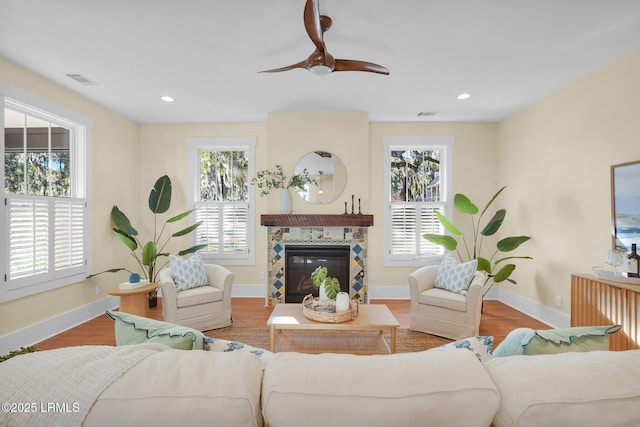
[(406, 340)]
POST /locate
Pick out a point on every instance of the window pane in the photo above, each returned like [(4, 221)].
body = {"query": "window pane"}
[(414, 176), (60, 161), (223, 176), (14, 124), (37, 157)]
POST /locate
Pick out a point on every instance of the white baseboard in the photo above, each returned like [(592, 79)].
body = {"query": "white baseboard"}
[(389, 292), (534, 309), (54, 325)]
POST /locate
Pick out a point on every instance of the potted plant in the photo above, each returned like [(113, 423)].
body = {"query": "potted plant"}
[(149, 254), (267, 181), (328, 286), (489, 265)]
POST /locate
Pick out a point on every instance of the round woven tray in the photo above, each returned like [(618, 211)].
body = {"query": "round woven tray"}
[(325, 311)]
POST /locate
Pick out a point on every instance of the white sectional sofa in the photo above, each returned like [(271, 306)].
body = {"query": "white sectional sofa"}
[(151, 384)]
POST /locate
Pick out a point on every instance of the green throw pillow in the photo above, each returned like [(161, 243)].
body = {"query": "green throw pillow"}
[(528, 341), (131, 329)]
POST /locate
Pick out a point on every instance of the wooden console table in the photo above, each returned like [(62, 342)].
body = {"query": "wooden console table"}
[(598, 302)]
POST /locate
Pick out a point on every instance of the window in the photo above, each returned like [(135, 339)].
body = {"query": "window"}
[(45, 196), (417, 173), (221, 171)]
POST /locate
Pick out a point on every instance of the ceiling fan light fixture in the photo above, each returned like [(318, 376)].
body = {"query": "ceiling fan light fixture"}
[(464, 96), (320, 70)]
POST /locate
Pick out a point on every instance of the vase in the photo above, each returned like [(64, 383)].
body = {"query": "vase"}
[(285, 201), (322, 293)]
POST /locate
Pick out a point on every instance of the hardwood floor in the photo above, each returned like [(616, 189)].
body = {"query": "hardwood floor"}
[(498, 320)]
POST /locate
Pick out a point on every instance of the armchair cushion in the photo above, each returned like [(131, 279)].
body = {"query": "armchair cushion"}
[(132, 329), (189, 273), (454, 276), (199, 295)]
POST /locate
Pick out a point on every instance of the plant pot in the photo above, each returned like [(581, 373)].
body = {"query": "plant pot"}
[(285, 201), (153, 298), (322, 293)]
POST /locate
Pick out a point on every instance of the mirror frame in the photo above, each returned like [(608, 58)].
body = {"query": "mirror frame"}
[(326, 159)]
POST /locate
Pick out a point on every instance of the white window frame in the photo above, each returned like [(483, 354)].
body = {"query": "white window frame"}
[(391, 143), (196, 146), (18, 99)]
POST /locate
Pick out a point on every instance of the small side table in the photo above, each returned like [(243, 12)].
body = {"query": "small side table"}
[(134, 301)]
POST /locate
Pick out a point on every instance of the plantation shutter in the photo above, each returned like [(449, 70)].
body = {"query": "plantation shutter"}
[(36, 224), (224, 227), (409, 221)]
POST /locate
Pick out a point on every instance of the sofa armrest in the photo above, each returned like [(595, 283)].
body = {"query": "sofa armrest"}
[(474, 297), (419, 281), (221, 278), (169, 295)]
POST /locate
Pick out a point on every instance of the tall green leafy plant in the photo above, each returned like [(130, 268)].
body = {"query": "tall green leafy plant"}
[(492, 264), (151, 253)]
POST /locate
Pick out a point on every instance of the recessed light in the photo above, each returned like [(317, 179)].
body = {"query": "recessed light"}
[(166, 98), (464, 96)]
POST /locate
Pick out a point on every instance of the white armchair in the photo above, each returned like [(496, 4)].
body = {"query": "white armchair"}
[(202, 308), (441, 312)]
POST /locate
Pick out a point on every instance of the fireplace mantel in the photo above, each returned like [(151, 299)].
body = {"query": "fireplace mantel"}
[(316, 220)]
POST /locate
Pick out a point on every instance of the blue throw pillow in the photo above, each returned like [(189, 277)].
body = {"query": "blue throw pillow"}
[(455, 277), (188, 274)]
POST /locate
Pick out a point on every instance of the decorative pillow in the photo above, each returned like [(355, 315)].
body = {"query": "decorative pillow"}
[(217, 344), (480, 346), (528, 341), (455, 277), (189, 273), (132, 329)]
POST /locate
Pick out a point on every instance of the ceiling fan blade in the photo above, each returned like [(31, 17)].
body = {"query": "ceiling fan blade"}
[(301, 64), (312, 23), (351, 65)]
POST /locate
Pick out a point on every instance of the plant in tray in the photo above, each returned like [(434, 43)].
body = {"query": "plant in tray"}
[(330, 285)]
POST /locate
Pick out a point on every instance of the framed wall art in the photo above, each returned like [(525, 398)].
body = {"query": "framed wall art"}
[(625, 205)]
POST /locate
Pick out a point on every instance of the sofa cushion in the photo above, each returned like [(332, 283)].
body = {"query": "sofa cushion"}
[(546, 341), (406, 389), (132, 329), (189, 273), (443, 298), (184, 388), (200, 295), (597, 388), (454, 276)]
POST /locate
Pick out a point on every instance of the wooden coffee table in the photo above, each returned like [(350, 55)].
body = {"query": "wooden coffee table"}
[(290, 330)]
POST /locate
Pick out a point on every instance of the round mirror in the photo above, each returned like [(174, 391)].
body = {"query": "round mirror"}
[(329, 173)]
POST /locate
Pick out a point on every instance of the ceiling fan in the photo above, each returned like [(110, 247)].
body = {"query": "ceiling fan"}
[(320, 62)]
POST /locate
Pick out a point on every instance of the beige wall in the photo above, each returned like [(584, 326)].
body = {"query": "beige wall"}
[(556, 157), (114, 176)]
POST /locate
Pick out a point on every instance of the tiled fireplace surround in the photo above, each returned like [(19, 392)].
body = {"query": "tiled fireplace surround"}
[(316, 230)]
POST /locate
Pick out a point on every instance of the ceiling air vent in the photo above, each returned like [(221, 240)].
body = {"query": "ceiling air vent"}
[(81, 79), (427, 114)]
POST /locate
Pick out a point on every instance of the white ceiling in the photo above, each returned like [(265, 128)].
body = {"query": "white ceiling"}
[(207, 54)]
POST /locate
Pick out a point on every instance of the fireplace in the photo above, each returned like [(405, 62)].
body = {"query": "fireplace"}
[(302, 260), (317, 231)]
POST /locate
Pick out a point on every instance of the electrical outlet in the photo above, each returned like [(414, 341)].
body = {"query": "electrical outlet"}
[(374, 276), (558, 301), (262, 275), (98, 289)]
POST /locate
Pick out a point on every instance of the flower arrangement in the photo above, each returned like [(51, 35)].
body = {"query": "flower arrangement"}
[(267, 180)]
